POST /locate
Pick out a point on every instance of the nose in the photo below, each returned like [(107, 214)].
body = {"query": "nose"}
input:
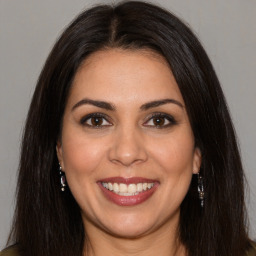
[(127, 148)]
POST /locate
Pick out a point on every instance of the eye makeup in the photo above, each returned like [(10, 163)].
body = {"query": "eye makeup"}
[(157, 120), (95, 120), (160, 120)]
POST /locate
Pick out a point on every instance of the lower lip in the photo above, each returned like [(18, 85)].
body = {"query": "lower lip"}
[(128, 200)]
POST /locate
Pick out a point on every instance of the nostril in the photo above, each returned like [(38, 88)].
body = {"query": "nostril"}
[(127, 152), (126, 161)]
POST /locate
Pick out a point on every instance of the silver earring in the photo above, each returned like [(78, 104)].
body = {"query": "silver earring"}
[(62, 179), (200, 189)]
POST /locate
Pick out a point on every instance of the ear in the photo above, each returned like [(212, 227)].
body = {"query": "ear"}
[(197, 160), (60, 154)]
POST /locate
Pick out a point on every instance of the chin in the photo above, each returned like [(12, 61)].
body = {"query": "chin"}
[(130, 225), (129, 232)]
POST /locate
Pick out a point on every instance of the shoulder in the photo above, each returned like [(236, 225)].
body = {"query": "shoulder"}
[(252, 250), (10, 251)]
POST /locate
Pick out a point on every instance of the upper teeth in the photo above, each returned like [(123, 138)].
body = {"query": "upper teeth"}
[(127, 190)]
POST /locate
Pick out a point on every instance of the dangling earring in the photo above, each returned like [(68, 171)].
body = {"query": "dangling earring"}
[(62, 179), (200, 189)]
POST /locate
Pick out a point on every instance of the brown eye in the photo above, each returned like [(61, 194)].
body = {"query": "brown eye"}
[(158, 121), (95, 120)]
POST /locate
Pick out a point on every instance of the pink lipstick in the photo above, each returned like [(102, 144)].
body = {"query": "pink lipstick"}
[(128, 191)]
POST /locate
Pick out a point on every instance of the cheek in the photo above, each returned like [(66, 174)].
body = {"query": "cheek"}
[(81, 155), (175, 154), (82, 160)]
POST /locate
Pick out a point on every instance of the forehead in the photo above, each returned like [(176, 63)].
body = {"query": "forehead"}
[(125, 75)]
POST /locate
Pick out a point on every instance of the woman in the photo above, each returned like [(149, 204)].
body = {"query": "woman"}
[(129, 147)]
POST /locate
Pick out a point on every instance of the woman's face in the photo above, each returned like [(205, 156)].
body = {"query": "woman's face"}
[(127, 147)]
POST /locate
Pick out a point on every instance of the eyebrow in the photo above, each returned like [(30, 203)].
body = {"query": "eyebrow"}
[(109, 106), (96, 103), (157, 103)]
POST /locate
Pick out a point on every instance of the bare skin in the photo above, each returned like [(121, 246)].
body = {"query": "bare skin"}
[(125, 117), (161, 242)]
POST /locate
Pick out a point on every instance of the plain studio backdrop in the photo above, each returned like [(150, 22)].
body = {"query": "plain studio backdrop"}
[(29, 28)]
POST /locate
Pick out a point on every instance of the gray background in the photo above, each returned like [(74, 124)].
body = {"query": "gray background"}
[(28, 29)]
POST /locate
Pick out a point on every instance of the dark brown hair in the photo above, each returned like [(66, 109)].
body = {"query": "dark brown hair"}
[(48, 222)]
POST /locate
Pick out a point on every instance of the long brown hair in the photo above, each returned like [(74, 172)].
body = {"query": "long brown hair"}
[(48, 222)]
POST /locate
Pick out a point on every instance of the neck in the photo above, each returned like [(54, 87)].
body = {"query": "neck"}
[(164, 241)]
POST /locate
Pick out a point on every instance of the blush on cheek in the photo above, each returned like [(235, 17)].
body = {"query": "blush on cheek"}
[(82, 164), (81, 153), (175, 158)]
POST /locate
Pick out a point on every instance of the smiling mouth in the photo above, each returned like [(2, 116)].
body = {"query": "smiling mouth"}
[(127, 189), (128, 192)]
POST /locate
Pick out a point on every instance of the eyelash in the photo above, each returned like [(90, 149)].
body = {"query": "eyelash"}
[(104, 118), (85, 119), (167, 117)]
